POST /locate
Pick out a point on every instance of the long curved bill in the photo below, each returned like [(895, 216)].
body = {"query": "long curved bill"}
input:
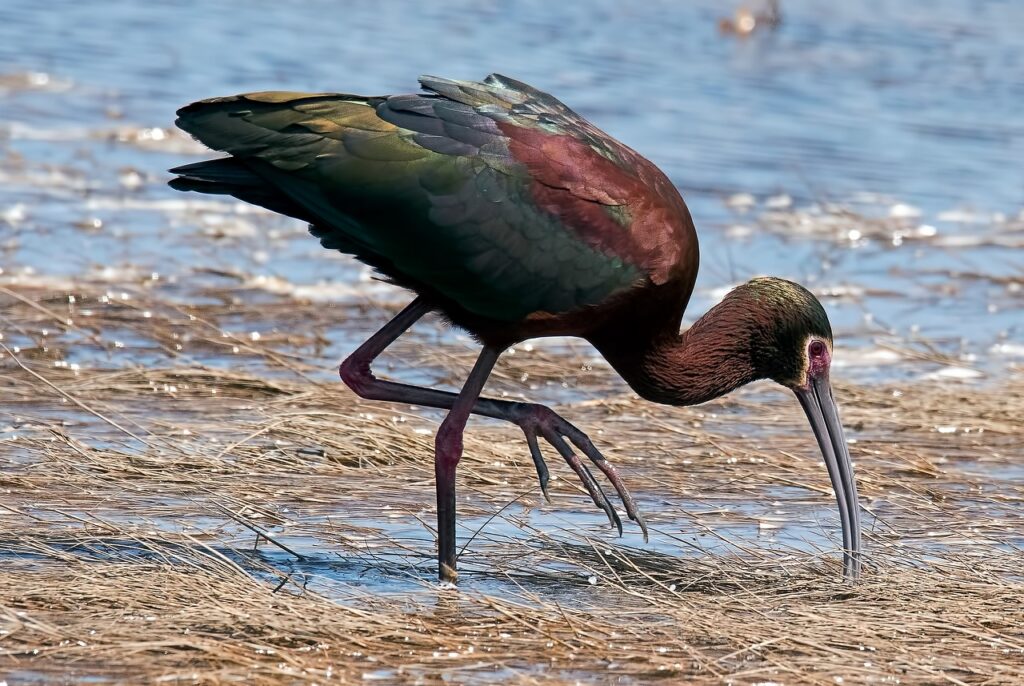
[(820, 407)]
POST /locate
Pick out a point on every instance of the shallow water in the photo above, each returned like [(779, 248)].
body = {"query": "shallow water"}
[(910, 119), (871, 150)]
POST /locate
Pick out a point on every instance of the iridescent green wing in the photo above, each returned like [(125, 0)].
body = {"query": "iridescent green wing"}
[(426, 189)]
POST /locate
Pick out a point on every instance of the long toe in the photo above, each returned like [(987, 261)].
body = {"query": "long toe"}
[(540, 421), (583, 443), (597, 493)]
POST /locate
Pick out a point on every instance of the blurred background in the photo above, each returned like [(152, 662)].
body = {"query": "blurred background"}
[(871, 149)]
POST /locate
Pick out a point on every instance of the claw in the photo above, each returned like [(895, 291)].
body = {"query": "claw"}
[(597, 493), (583, 442), (538, 461)]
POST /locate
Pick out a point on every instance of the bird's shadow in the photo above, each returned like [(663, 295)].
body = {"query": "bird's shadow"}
[(575, 574)]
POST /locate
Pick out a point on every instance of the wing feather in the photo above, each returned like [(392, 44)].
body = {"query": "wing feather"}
[(427, 188)]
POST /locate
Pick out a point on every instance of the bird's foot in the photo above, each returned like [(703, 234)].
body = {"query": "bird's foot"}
[(543, 422)]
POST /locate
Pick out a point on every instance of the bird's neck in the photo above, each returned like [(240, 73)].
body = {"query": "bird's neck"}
[(710, 359)]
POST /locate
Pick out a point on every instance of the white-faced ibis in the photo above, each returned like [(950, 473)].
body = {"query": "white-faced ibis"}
[(514, 218)]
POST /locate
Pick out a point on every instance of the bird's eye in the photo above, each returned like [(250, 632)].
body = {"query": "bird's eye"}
[(816, 349)]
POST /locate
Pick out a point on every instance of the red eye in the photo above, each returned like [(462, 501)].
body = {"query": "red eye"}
[(816, 349)]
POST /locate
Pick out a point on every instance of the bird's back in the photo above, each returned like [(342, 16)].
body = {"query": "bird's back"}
[(492, 198)]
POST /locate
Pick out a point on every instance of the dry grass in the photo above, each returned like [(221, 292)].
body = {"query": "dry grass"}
[(134, 486)]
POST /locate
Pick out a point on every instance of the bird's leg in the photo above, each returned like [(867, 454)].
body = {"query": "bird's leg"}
[(355, 370), (447, 452), (535, 420)]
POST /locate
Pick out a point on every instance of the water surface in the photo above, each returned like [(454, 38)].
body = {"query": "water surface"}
[(869, 149)]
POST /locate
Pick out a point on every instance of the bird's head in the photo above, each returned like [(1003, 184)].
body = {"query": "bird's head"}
[(789, 340), (789, 335)]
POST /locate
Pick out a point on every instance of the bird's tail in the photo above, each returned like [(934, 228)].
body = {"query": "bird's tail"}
[(231, 176)]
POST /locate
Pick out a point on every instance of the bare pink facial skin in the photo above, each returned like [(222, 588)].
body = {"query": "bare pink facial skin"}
[(819, 359)]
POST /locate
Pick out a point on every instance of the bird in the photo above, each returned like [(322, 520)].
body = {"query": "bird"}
[(513, 217)]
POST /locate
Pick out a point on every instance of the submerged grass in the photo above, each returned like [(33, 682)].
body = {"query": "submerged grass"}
[(170, 517)]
